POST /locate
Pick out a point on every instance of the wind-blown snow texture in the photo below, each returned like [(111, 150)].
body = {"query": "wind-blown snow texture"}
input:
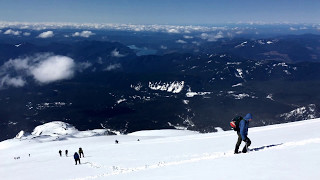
[(285, 151)]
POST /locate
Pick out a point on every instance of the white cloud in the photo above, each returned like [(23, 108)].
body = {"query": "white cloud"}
[(47, 34), (43, 68), (173, 31), (196, 43), (53, 69), (9, 81), (163, 47), (204, 35), (113, 67), (188, 37), (84, 65), (212, 37), (17, 64), (293, 29), (26, 34), (85, 34), (116, 53), (181, 41), (12, 32)]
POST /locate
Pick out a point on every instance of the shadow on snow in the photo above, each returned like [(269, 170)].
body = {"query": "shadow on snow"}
[(264, 147)]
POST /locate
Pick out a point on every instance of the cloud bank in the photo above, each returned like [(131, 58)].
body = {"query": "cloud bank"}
[(116, 53), (84, 34), (43, 68), (181, 41), (113, 67), (12, 32), (47, 34), (12, 81), (212, 37)]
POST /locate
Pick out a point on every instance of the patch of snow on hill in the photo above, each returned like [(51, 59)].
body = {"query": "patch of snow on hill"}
[(20, 135), (280, 64), (239, 96), (236, 85), (54, 128), (190, 94), (121, 100), (270, 97), (46, 105), (173, 87), (304, 113), (239, 74), (242, 44), (58, 130), (136, 87)]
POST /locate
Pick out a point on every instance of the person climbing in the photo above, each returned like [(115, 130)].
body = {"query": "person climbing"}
[(60, 152), (76, 158), (242, 133), (67, 152), (81, 152)]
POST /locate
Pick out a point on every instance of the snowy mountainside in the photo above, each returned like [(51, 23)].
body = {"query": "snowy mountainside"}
[(283, 151), (58, 130)]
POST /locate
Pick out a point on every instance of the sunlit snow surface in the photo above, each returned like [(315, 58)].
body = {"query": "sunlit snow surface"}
[(286, 151)]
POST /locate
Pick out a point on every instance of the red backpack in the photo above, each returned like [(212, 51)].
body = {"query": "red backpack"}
[(235, 123)]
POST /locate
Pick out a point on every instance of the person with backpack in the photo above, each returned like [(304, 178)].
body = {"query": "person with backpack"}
[(76, 158), (60, 152), (81, 152), (242, 132)]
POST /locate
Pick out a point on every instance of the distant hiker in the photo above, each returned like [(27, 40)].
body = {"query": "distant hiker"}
[(29, 155), (66, 152), (60, 152), (81, 152), (76, 158), (116, 141), (242, 132)]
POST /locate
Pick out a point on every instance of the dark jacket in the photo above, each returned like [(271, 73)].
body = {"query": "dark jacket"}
[(244, 125), (76, 156)]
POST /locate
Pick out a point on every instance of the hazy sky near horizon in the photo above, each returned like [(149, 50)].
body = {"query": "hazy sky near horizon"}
[(161, 11)]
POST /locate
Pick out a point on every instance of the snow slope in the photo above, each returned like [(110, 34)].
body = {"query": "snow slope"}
[(285, 151)]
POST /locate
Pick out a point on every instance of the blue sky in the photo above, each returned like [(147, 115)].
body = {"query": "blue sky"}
[(161, 11)]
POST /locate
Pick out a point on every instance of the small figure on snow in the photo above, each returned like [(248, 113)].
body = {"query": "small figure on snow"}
[(60, 152), (76, 158), (116, 141), (81, 152), (67, 152), (242, 132)]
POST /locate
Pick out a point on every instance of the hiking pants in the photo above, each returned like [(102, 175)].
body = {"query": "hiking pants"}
[(82, 154), (77, 161), (248, 143)]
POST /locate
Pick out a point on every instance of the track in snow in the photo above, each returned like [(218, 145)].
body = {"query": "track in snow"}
[(115, 170)]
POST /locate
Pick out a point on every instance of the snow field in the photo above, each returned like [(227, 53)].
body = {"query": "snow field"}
[(284, 151)]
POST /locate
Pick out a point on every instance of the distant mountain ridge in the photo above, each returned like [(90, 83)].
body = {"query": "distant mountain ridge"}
[(115, 89)]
